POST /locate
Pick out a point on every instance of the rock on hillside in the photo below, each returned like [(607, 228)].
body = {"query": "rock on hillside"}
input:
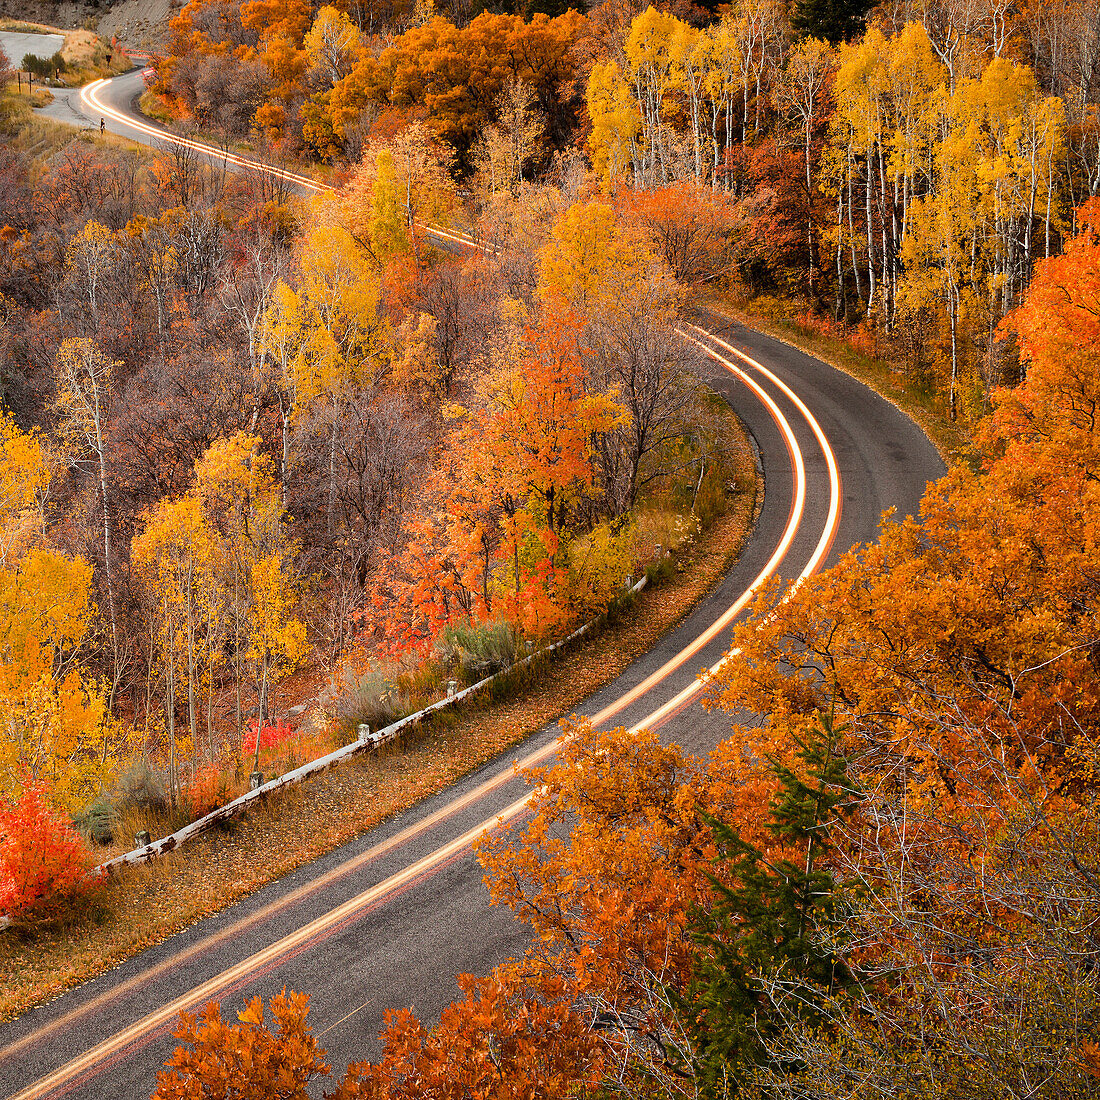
[(139, 24)]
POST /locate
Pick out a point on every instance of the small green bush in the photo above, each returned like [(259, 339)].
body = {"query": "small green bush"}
[(368, 697), (43, 66), (664, 569), (140, 788), (477, 650), (97, 822)]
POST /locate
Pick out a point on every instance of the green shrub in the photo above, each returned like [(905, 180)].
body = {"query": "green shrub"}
[(141, 788), (366, 697), (97, 822), (710, 501), (663, 569), (44, 66), (477, 650)]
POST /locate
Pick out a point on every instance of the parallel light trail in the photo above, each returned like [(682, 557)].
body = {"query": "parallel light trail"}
[(77, 1070), (73, 1071), (96, 1059), (832, 521), (90, 95)]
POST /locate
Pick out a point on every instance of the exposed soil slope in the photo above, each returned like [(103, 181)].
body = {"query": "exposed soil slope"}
[(139, 24)]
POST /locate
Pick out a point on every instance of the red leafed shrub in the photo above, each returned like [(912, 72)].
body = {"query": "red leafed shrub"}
[(270, 736), (43, 861), (211, 787)]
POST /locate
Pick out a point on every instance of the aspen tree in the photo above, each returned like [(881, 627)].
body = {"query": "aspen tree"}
[(83, 374), (54, 725)]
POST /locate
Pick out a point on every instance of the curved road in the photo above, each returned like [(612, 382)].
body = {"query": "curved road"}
[(392, 918)]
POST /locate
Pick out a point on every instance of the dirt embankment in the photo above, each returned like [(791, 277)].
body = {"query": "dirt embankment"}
[(138, 24)]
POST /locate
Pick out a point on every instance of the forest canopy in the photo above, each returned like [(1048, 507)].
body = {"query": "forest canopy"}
[(245, 434)]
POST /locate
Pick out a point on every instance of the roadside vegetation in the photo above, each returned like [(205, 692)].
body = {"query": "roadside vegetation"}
[(143, 905), (83, 56), (255, 446), (250, 442)]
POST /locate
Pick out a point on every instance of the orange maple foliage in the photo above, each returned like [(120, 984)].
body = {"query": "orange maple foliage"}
[(614, 860), (267, 18), (1089, 1056), (1051, 417), (456, 74), (690, 226), (491, 544), (246, 1060), (501, 1041), (959, 654)]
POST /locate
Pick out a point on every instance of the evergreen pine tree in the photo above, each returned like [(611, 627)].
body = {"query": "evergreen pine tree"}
[(834, 20), (765, 924)]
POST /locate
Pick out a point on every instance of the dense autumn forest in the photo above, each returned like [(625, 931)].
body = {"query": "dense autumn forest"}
[(243, 433)]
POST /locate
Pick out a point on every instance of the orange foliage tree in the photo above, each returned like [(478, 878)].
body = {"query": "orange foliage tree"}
[(457, 74), (501, 1041), (493, 543), (959, 651), (690, 227), (246, 1060)]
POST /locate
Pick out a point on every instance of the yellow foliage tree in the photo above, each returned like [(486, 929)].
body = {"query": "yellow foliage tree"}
[(210, 562), (174, 556), (388, 237), (592, 261), (327, 337), (277, 640), (53, 720), (332, 45), (25, 474), (616, 124), (243, 503), (423, 190)]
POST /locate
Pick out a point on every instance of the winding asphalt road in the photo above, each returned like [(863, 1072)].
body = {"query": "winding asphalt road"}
[(392, 918)]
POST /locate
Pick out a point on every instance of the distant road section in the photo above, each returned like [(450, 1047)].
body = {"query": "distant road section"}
[(17, 46), (392, 917)]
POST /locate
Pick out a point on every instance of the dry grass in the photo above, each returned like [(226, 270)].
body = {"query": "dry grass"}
[(145, 905), (84, 51), (85, 54), (43, 137), (82, 48), (21, 26), (152, 106)]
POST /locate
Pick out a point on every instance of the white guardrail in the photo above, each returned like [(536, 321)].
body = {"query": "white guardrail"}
[(366, 744)]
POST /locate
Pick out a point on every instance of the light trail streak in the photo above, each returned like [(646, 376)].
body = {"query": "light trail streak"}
[(90, 95), (794, 520), (258, 960), (816, 559), (316, 929)]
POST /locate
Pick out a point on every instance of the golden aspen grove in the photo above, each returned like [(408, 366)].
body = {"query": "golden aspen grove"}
[(258, 449)]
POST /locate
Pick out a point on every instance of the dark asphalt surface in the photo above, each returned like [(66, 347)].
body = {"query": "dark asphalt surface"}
[(408, 949)]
